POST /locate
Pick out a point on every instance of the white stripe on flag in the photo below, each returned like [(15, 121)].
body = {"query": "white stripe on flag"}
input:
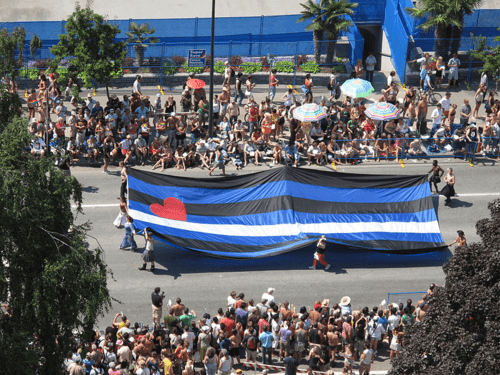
[(294, 229)]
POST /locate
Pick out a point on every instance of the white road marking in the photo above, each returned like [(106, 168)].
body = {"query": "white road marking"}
[(97, 205), (477, 194), (458, 195)]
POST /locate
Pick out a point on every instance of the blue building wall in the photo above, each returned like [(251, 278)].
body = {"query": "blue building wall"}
[(283, 35)]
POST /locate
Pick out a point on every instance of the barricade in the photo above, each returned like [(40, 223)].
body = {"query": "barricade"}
[(261, 366), (397, 298)]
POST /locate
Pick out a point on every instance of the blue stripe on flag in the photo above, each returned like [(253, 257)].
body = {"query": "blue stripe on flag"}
[(287, 217), (279, 188), (269, 240)]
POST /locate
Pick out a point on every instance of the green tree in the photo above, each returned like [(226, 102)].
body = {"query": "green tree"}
[(327, 19), (140, 35), (49, 277), (447, 20), (489, 54), (460, 333), (90, 44), (10, 43), (313, 11), (335, 22)]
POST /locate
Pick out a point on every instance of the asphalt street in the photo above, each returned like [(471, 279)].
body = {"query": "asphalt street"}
[(204, 283)]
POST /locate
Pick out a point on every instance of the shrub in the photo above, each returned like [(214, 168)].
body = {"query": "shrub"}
[(310, 67), (169, 67), (301, 59), (178, 60), (128, 61), (284, 66), (191, 69), (32, 73), (265, 63), (250, 68), (219, 67), (235, 60)]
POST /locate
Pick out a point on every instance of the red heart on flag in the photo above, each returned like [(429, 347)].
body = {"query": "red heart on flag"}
[(172, 209)]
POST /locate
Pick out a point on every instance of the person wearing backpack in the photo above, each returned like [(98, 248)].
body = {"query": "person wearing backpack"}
[(251, 342)]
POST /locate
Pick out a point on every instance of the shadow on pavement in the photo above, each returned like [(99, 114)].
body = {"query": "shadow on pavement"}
[(177, 262)]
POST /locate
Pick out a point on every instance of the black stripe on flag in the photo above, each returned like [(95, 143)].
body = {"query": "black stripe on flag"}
[(304, 176), (287, 203)]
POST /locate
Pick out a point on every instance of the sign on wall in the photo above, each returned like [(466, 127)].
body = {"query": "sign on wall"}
[(197, 57)]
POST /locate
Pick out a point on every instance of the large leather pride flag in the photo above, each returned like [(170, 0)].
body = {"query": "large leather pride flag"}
[(282, 209)]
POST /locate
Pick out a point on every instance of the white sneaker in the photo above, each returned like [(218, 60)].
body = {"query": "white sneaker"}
[(312, 268), (328, 267)]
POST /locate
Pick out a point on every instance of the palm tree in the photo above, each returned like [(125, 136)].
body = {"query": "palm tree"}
[(335, 22), (314, 11), (447, 19), (140, 35)]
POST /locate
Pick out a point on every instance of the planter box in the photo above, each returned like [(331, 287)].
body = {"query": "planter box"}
[(176, 80)]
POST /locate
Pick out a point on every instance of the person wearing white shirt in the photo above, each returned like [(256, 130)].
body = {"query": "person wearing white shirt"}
[(370, 63), (453, 64), (136, 89), (111, 119), (437, 117), (445, 105), (90, 102), (269, 296), (61, 110)]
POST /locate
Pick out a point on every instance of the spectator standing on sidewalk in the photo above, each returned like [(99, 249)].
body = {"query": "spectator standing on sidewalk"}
[(291, 364), (370, 63), (266, 343), (465, 112), (453, 64), (319, 255), (273, 83)]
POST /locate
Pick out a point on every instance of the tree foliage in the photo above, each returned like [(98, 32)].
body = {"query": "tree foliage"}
[(90, 44), (490, 55), (141, 34), (49, 277), (328, 18), (447, 20), (10, 42), (461, 331)]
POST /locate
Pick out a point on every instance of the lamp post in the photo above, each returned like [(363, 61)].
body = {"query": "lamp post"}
[(211, 93)]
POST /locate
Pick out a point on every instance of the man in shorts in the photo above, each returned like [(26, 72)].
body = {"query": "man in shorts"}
[(453, 64), (157, 303), (319, 255)]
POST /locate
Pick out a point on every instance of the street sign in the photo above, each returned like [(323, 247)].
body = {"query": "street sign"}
[(197, 57)]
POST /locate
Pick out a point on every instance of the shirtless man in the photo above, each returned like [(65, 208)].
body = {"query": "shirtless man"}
[(171, 129), (178, 308), (422, 109), (412, 112)]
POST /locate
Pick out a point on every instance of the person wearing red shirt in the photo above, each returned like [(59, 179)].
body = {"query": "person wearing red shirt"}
[(228, 322), (273, 82), (263, 322)]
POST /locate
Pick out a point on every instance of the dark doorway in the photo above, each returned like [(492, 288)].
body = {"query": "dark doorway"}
[(372, 36)]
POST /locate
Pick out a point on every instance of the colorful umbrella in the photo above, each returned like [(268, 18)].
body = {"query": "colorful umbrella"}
[(356, 88), (309, 112), (195, 83), (382, 111)]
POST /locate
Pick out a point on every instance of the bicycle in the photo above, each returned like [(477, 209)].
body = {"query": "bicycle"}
[(432, 97)]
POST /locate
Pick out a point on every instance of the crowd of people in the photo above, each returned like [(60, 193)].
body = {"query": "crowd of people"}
[(243, 332), (138, 129)]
